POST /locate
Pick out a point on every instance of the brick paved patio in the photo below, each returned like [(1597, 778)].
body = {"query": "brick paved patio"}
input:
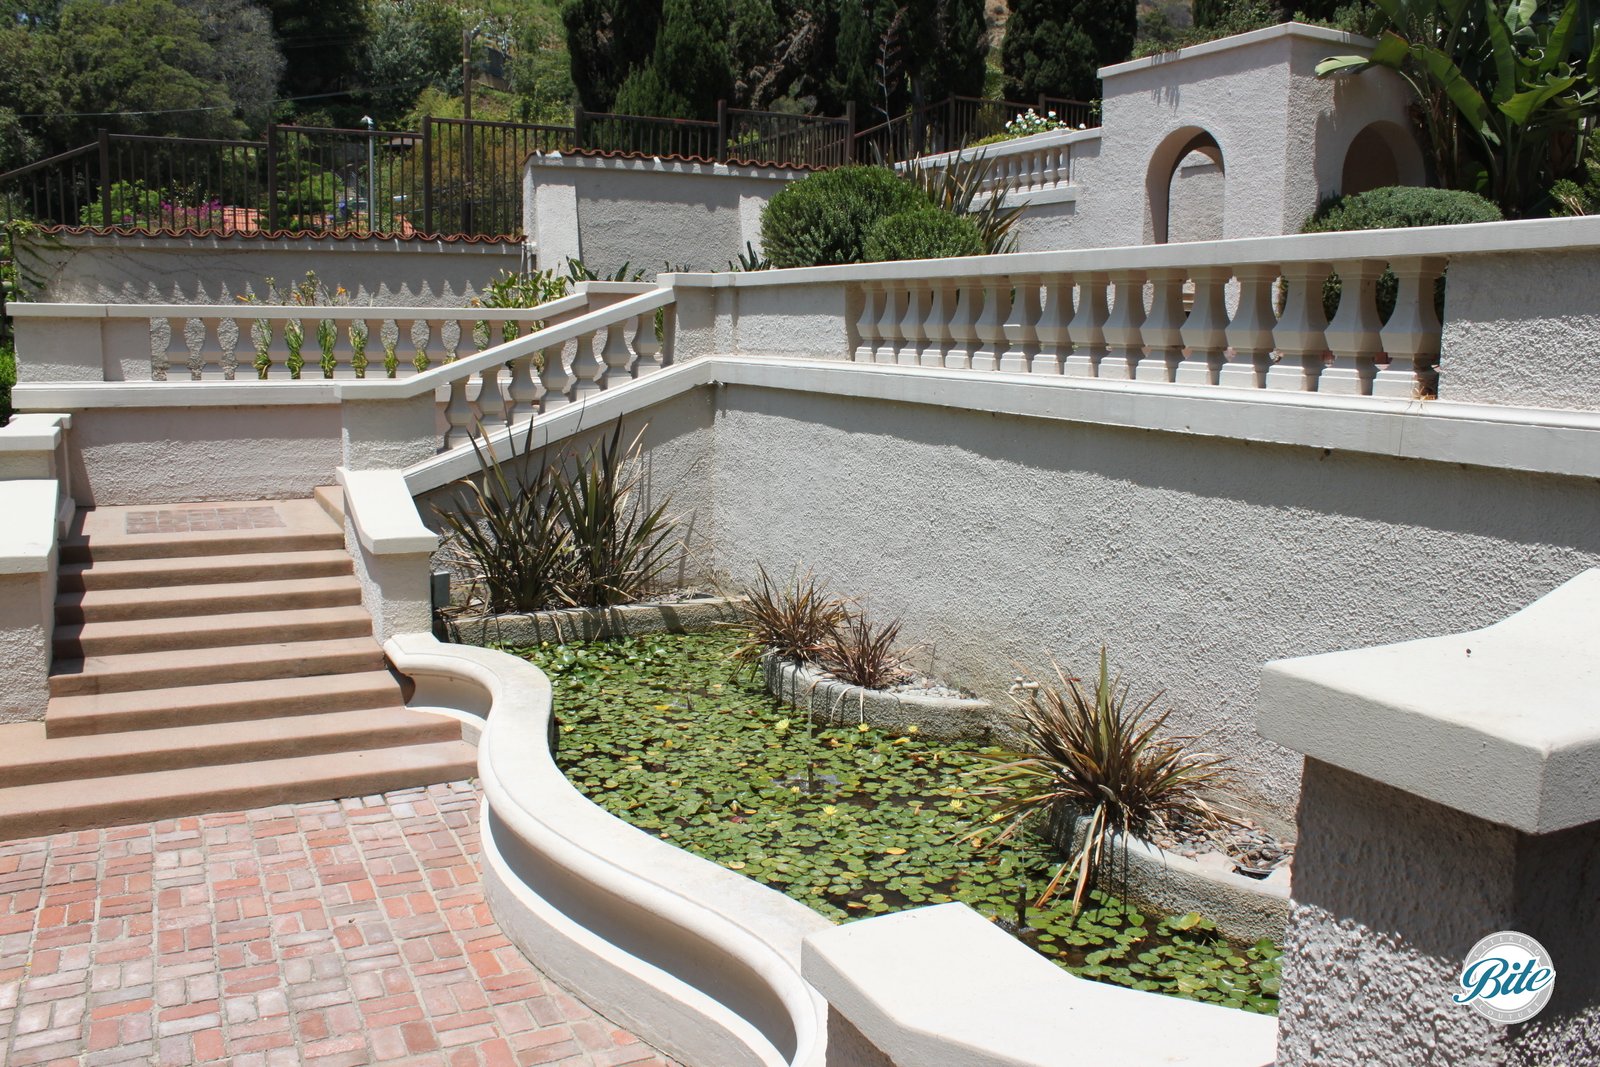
[(329, 933)]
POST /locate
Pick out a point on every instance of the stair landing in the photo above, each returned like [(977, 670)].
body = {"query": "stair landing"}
[(210, 657)]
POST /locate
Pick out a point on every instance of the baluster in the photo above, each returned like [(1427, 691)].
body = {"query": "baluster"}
[(1124, 329), (1411, 336), (359, 334), (556, 379), (963, 326), (389, 344), (262, 336), (1353, 335), (991, 323), (645, 345), (1205, 331), (911, 326), (1162, 333), (867, 324), (1054, 337), (587, 368), (889, 339), (617, 356), (160, 342), (227, 331), (421, 341), (936, 327), (523, 389), (1299, 333), (492, 406), (1250, 331), (194, 339), (458, 415), (1022, 327), (1087, 328)]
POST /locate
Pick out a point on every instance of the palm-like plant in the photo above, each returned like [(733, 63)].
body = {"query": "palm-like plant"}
[(859, 653), (791, 619), (957, 185), (505, 534), (1507, 91), (618, 545), (1091, 753)]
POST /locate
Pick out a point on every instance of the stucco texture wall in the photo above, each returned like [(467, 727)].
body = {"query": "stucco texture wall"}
[(1514, 335), (1007, 541), (1370, 956), (646, 213), (198, 270), (676, 468), (171, 455)]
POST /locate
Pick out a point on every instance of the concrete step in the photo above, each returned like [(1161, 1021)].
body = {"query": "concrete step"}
[(208, 666), (54, 807), (221, 598), (126, 636), (202, 570), (191, 705), (81, 548), (56, 759)]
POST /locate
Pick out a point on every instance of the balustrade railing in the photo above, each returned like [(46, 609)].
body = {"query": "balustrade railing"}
[(1250, 324), (1023, 166)]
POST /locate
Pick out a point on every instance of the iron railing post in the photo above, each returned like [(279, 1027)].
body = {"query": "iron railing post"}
[(850, 131), (722, 131), (272, 177), (105, 177), (427, 175)]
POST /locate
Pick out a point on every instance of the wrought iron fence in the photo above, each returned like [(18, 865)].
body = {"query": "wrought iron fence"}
[(454, 176)]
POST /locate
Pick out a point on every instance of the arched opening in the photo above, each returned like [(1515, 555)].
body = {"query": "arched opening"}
[(1382, 154), (1185, 188)]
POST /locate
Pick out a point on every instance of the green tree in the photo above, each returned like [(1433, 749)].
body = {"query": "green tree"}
[(891, 55), (32, 119), (1055, 47), (414, 45), (606, 40), (1509, 96), (248, 61), (146, 60), (690, 68), (325, 42)]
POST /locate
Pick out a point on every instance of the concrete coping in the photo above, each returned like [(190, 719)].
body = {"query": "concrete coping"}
[(663, 165), (1012, 147), (828, 700), (1301, 30), (1470, 239), (942, 985), (695, 958), (341, 313), (39, 432), (1500, 723), (28, 536), (384, 513)]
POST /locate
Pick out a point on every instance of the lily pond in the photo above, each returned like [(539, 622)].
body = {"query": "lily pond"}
[(852, 821)]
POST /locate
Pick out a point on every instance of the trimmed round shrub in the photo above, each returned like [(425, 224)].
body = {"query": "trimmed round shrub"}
[(926, 233), (1401, 206), (1391, 208), (824, 218)]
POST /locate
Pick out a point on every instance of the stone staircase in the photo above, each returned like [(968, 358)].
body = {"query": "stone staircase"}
[(211, 657)]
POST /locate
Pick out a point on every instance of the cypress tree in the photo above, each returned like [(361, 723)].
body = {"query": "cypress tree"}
[(689, 69), (606, 40), (1054, 47)]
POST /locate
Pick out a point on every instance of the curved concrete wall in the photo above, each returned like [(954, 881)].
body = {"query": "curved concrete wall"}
[(698, 960)]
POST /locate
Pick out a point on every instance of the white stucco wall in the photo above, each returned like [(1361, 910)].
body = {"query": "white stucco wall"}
[(113, 269), (1003, 540), (646, 212), (1284, 134)]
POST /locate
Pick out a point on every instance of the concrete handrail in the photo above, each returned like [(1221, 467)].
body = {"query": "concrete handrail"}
[(698, 960)]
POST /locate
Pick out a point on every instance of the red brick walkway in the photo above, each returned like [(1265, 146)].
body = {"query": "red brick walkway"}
[(343, 932)]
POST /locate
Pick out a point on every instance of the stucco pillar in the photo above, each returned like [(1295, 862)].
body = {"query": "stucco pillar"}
[(388, 434), (1451, 792)]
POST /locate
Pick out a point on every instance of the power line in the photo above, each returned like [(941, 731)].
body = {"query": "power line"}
[(213, 107)]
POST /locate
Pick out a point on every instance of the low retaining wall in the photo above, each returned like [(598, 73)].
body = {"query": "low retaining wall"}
[(188, 269), (701, 962), (829, 700), (695, 615)]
